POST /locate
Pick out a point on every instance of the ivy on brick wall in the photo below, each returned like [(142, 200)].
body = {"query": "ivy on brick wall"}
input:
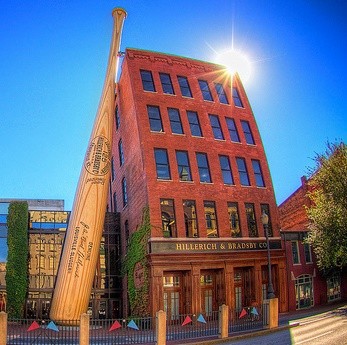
[(17, 258), (135, 266)]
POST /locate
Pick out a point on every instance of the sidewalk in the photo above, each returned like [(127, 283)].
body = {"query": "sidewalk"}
[(286, 318), (285, 321)]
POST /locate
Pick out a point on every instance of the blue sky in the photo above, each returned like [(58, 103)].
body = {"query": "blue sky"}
[(53, 61)]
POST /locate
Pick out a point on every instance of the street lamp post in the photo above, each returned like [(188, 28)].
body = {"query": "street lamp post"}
[(265, 221)]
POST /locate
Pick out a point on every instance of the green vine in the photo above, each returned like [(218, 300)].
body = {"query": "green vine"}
[(17, 258), (136, 257)]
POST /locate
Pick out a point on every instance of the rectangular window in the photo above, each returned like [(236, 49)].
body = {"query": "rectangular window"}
[(162, 164), (211, 218), (251, 220), (194, 123), (234, 219), (190, 219), (184, 86), (183, 166), (236, 98), (117, 117), (234, 135), (168, 217), (204, 170), (295, 252), (226, 170), (115, 202), (205, 90), (175, 121), (154, 118), (147, 80), (258, 175), (265, 208), (216, 128), (247, 132), (120, 152), (308, 253), (242, 168), (113, 175), (125, 192), (221, 93), (166, 83)]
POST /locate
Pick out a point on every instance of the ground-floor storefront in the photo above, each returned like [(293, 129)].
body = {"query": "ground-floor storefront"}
[(198, 277)]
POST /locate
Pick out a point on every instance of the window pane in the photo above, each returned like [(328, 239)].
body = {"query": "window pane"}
[(221, 93), (190, 219), (194, 123), (120, 152), (166, 83), (175, 121), (183, 166), (162, 164), (234, 219), (236, 98), (216, 128), (168, 217), (247, 131), (251, 220), (203, 167), (226, 170), (117, 117), (308, 255), (125, 193), (154, 118), (147, 80), (295, 252), (184, 86), (205, 90), (257, 173), (211, 219), (241, 165), (234, 135)]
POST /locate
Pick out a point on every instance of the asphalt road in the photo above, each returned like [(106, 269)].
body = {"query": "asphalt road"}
[(329, 328)]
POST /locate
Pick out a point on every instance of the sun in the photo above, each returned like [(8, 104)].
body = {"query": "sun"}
[(235, 61)]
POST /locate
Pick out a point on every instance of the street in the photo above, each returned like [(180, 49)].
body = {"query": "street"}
[(322, 329)]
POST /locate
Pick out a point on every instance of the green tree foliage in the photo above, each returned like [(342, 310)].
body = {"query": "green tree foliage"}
[(17, 258), (328, 213)]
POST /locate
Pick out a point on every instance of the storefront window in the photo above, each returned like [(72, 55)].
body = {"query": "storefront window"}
[(334, 288), (304, 291)]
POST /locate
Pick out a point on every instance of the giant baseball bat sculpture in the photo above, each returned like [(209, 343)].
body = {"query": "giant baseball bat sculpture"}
[(82, 240)]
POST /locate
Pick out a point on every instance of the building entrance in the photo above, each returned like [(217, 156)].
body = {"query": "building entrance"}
[(173, 296), (212, 290), (244, 287)]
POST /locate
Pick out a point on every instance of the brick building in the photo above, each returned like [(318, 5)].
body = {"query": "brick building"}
[(307, 286), (186, 145)]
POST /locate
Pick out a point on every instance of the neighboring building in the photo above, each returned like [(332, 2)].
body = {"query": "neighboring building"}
[(47, 226), (186, 144), (307, 287)]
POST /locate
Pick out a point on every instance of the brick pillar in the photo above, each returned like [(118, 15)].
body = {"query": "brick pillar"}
[(223, 321), (3, 328), (84, 329), (161, 327)]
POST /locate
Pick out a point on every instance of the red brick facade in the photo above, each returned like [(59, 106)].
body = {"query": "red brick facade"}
[(307, 287), (227, 262)]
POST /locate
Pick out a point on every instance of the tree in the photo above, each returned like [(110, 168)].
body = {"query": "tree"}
[(17, 258), (328, 212)]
